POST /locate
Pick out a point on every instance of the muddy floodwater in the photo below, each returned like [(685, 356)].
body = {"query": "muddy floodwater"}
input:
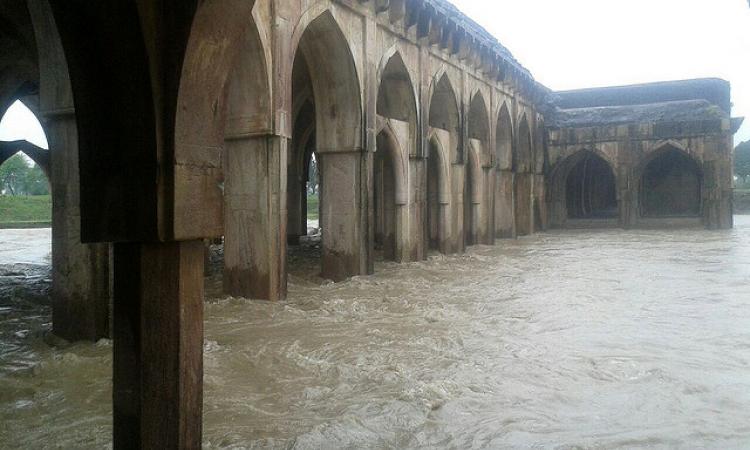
[(565, 339)]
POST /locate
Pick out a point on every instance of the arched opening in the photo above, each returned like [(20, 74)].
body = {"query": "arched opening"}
[(327, 130), (479, 136), (25, 189), (396, 108), (523, 188), (671, 186), (504, 140), (436, 223), (590, 189), (445, 116), (505, 164)]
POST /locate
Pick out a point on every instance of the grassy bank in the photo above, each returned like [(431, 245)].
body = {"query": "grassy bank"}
[(25, 211), (312, 207)]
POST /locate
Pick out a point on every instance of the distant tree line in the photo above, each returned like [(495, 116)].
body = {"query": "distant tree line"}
[(17, 177), (742, 164)]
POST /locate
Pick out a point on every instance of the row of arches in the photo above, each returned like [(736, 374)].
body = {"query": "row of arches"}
[(191, 126), (669, 185), (326, 126)]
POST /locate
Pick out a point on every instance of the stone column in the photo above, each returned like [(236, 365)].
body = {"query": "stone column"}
[(158, 346), (523, 204), (504, 209), (296, 191), (342, 219), (255, 217), (80, 272)]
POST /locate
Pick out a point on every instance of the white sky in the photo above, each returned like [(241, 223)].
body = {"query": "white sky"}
[(572, 44), (20, 123)]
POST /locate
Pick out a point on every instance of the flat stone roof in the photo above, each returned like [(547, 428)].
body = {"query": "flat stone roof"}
[(713, 90), (678, 111)]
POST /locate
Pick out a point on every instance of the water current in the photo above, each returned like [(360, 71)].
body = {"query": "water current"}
[(568, 339)]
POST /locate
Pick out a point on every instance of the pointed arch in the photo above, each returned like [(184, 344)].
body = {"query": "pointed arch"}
[(324, 64), (670, 184), (504, 154), (390, 196), (444, 114), (479, 122), (438, 197), (39, 156), (589, 186), (524, 154), (335, 84), (396, 92)]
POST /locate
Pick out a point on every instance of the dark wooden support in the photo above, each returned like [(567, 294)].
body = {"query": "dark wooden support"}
[(158, 345)]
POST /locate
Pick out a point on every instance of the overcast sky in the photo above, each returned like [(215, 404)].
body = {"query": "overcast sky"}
[(570, 44)]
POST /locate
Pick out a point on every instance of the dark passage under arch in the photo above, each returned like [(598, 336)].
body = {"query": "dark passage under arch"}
[(671, 186), (590, 191)]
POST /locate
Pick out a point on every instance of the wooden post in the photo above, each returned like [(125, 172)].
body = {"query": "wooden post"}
[(158, 345)]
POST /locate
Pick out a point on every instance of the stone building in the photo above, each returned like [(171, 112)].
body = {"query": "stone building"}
[(657, 154), (172, 122)]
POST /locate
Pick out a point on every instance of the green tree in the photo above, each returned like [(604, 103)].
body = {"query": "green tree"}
[(35, 182), (742, 162), (13, 175)]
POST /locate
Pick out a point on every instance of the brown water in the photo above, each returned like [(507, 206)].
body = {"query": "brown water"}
[(567, 339)]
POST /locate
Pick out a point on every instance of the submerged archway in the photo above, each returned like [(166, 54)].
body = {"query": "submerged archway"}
[(523, 181), (670, 186), (397, 115), (590, 189), (328, 122), (505, 163), (474, 204)]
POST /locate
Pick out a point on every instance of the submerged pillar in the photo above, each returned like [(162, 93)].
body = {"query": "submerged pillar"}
[(158, 345), (343, 217), (523, 199), (503, 204), (255, 217), (80, 272)]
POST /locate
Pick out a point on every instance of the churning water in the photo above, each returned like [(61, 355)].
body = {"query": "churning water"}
[(566, 339)]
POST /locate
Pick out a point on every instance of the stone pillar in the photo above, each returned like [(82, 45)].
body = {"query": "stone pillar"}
[(717, 195), (417, 208), (296, 222), (523, 204), (158, 345), (541, 219), (255, 217), (80, 272), (504, 210), (456, 222), (403, 237), (343, 215)]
